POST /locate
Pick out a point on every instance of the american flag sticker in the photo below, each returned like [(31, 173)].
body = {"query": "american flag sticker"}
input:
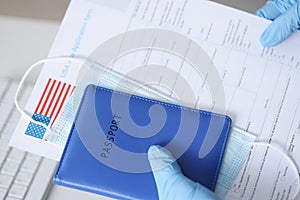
[(49, 106)]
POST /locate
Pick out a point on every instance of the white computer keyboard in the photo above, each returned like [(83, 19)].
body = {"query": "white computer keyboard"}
[(23, 175)]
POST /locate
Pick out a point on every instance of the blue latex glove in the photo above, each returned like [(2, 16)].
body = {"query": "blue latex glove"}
[(286, 16), (171, 183)]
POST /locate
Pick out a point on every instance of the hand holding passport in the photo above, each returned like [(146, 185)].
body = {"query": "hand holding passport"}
[(170, 182), (123, 127)]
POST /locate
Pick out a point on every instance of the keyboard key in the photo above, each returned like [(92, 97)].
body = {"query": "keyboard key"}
[(5, 137), (4, 112), (5, 148), (10, 94), (5, 109), (5, 180), (11, 198), (17, 191), (9, 128), (14, 118), (1, 125), (16, 155), (3, 117), (2, 156), (29, 166), (10, 167), (6, 134), (2, 193), (3, 86), (4, 145), (23, 178), (34, 157)]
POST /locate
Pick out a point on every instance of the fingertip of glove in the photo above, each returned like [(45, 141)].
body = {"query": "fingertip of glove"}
[(158, 152), (160, 158), (154, 148), (265, 40), (270, 37)]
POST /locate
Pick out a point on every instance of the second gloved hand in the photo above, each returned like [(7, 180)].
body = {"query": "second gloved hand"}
[(286, 16), (170, 182)]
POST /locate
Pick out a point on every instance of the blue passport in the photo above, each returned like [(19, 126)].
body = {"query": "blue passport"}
[(106, 152)]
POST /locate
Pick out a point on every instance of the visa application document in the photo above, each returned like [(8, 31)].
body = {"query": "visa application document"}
[(260, 84)]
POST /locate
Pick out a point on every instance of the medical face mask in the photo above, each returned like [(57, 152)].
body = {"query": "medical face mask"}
[(237, 150), (238, 146)]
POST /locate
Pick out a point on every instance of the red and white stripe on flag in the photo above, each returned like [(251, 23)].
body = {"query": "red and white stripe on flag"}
[(53, 97)]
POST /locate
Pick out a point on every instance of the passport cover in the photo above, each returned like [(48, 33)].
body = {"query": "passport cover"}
[(106, 152)]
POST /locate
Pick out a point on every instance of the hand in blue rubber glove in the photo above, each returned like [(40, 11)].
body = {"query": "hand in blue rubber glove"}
[(286, 16), (170, 182)]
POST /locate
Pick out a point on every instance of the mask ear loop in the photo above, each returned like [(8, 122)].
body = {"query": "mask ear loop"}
[(292, 162), (36, 64)]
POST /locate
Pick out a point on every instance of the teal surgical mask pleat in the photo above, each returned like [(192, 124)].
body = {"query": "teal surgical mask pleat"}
[(237, 150)]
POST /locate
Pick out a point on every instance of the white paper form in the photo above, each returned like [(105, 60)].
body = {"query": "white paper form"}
[(260, 84)]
